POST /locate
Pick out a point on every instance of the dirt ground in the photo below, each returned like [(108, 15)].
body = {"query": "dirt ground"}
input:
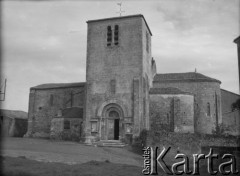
[(66, 152), (21, 166), (35, 157)]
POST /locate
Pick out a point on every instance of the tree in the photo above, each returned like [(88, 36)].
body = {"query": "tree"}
[(236, 105)]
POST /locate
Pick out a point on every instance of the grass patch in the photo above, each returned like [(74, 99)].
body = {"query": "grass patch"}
[(24, 167), (21, 166)]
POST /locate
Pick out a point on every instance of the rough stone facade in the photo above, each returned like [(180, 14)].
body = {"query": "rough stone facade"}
[(45, 102), (207, 97), (119, 73), (231, 119), (67, 125), (172, 110), (66, 129)]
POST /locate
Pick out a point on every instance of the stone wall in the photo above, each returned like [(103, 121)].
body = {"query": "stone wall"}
[(172, 112), (44, 105), (231, 119), (123, 64), (66, 129), (187, 143), (204, 93)]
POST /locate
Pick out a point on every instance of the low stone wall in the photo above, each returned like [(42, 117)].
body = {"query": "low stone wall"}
[(187, 143), (231, 123)]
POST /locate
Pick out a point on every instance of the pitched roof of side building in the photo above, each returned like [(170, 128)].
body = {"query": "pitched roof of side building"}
[(230, 92), (121, 17), (183, 77), (168, 90), (59, 85)]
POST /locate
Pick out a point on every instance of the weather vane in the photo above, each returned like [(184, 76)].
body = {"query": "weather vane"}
[(120, 10)]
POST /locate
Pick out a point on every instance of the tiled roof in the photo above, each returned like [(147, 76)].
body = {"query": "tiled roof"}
[(73, 112), (58, 85), (168, 90), (121, 17), (183, 77)]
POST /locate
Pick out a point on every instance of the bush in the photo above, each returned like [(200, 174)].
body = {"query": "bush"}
[(140, 141)]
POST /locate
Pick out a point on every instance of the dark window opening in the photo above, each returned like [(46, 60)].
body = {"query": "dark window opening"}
[(109, 36), (208, 109), (116, 129), (116, 33), (66, 124)]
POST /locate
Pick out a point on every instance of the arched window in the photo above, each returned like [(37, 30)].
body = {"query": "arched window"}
[(116, 32), (208, 109), (109, 36)]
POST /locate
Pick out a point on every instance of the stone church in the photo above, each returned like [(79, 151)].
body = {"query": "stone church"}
[(123, 94)]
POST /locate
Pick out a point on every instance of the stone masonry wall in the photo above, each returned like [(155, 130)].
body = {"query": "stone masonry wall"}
[(187, 143), (122, 63), (172, 113), (74, 133), (41, 111), (147, 72), (231, 119), (204, 93)]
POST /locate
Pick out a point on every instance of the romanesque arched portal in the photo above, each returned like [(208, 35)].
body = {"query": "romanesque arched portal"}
[(111, 123)]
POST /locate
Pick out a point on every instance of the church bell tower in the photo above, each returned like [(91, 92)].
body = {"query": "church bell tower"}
[(118, 77)]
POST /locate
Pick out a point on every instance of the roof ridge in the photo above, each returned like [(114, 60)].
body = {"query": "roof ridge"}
[(230, 92), (183, 77), (167, 90), (57, 85)]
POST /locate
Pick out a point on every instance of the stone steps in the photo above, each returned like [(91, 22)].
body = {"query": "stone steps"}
[(110, 143)]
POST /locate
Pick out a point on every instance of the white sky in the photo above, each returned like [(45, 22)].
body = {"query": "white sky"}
[(45, 41)]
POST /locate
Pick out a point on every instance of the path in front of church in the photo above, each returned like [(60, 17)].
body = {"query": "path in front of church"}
[(66, 152)]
